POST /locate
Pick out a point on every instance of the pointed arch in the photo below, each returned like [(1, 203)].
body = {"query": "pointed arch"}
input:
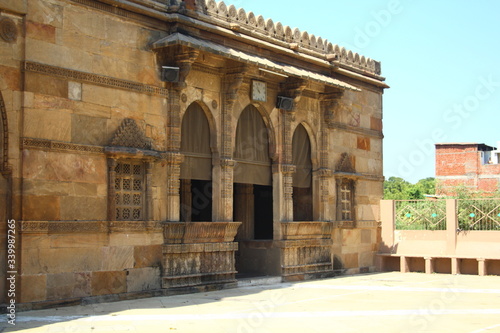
[(251, 149), (196, 168), (301, 157), (271, 133), (196, 144), (313, 142), (302, 178), (212, 125)]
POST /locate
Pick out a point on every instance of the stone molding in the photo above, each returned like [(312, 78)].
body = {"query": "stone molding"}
[(44, 144), (65, 227), (4, 132), (100, 80)]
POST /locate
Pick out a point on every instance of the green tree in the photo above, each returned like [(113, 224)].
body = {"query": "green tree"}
[(396, 188), (427, 185)]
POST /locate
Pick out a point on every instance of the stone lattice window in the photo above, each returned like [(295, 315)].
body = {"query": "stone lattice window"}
[(345, 200), (130, 190)]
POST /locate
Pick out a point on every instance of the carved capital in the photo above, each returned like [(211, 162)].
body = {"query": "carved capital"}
[(288, 169), (185, 62), (330, 103), (172, 158), (233, 83), (324, 173), (227, 163), (293, 88)]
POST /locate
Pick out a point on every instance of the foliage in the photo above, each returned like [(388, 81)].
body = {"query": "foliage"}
[(396, 188)]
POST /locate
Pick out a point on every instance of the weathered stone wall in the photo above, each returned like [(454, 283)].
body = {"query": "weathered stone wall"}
[(354, 250), (11, 55), (71, 263), (62, 105)]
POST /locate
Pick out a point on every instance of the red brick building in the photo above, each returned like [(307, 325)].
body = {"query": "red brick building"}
[(473, 166)]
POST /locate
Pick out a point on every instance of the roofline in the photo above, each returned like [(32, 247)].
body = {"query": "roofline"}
[(343, 64)]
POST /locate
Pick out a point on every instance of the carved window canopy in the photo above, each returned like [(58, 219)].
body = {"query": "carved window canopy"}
[(130, 141)]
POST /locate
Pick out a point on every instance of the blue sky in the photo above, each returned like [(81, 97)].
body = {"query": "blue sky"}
[(441, 59)]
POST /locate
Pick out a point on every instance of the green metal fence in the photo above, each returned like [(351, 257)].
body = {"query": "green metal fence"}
[(478, 214), (421, 215), (472, 214)]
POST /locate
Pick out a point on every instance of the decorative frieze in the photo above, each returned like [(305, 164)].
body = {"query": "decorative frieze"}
[(65, 227), (30, 143), (100, 80)]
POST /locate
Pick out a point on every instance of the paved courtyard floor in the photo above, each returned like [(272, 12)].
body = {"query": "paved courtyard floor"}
[(381, 302)]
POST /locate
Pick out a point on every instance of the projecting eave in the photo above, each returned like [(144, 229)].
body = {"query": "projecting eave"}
[(245, 57)]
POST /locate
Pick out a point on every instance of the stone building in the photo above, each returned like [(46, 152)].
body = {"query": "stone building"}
[(151, 146), (473, 167)]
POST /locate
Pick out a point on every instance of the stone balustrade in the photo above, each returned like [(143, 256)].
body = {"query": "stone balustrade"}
[(306, 250), (198, 253)]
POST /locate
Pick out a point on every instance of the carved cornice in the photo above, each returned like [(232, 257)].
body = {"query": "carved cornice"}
[(100, 80)]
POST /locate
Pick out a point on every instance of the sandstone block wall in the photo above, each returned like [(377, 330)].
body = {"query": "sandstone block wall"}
[(70, 266)]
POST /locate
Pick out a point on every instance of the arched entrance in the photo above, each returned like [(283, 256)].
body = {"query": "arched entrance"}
[(253, 196), (196, 169)]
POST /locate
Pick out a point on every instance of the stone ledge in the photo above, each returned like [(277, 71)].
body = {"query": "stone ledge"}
[(62, 227)]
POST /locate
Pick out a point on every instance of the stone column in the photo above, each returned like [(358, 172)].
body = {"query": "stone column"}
[(292, 88), (223, 186), (184, 60), (186, 200), (329, 104), (173, 161)]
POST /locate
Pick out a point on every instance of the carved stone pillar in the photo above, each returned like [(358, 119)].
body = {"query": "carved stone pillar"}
[(173, 161), (292, 88), (186, 200), (232, 84), (184, 61), (329, 104), (287, 171)]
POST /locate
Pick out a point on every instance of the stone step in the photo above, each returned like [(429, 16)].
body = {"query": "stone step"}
[(259, 281)]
